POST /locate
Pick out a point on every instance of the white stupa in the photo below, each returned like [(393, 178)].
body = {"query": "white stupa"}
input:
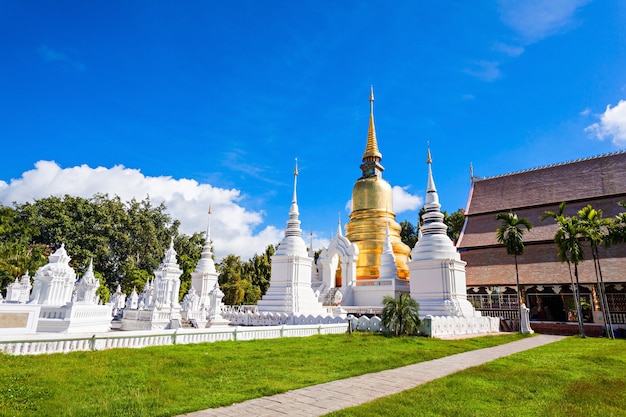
[(388, 268), (204, 277), (290, 289), (436, 269), (158, 306), (87, 286)]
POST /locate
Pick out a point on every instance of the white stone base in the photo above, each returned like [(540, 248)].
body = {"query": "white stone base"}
[(75, 318), (16, 319), (436, 305), (451, 326), (371, 292), (150, 319)]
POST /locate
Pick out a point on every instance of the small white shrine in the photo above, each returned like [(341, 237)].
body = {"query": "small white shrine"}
[(67, 306), (19, 291), (290, 289), (157, 306), (438, 275), (202, 304)]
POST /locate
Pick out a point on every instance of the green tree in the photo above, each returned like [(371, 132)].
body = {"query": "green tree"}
[(569, 249), (511, 235), (594, 230), (408, 233), (455, 221), (617, 227), (230, 270), (135, 279), (18, 258), (400, 315), (259, 270)]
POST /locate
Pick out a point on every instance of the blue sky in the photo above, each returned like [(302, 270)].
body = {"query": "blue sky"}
[(210, 101)]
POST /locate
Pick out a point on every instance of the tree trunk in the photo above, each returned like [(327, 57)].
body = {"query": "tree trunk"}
[(519, 296), (606, 313), (581, 325)]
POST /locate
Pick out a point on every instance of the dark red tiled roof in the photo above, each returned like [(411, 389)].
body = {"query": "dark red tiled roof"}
[(585, 179)]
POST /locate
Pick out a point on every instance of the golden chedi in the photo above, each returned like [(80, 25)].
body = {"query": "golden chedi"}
[(372, 208)]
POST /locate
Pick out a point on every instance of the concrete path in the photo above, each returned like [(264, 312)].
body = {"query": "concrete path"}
[(318, 400)]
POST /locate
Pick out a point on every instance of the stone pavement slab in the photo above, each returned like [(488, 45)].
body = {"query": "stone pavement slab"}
[(321, 399)]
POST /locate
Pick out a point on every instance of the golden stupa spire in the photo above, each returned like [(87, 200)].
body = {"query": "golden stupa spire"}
[(371, 149)]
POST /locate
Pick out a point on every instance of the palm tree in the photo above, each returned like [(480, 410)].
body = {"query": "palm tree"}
[(570, 250), (617, 227), (594, 231), (511, 235), (401, 315), (565, 223)]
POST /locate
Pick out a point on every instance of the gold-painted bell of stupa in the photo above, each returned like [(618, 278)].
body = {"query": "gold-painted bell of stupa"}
[(372, 210)]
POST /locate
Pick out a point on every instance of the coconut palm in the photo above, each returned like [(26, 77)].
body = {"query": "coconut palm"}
[(564, 224), (511, 235), (594, 229), (400, 315), (570, 250), (617, 227)]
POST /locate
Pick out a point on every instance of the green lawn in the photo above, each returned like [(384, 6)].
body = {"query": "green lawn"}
[(169, 380), (573, 377)]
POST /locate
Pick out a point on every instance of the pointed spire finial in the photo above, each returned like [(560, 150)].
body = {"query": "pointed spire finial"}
[(371, 149), (295, 182), (208, 228), (429, 160), (339, 231)]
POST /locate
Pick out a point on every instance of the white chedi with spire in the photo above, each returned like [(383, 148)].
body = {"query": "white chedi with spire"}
[(437, 272), (157, 305), (87, 286), (204, 277), (388, 268), (54, 282), (290, 283)]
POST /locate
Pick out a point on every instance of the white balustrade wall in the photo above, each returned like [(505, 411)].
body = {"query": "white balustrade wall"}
[(55, 343)]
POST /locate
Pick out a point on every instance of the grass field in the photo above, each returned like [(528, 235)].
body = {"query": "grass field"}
[(573, 377), (170, 380)]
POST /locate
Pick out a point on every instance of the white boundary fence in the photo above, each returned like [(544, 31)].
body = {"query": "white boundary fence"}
[(56, 343)]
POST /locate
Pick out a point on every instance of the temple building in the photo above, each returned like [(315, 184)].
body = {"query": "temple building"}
[(545, 281), (370, 261), (372, 213)]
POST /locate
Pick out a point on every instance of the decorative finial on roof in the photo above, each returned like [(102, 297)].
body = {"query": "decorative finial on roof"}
[(208, 228), (471, 172), (311, 252), (339, 231), (295, 181), (371, 149), (429, 160)]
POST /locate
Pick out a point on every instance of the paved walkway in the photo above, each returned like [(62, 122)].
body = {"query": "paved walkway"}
[(318, 400)]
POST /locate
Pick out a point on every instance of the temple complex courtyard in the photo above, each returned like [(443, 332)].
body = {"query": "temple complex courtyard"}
[(567, 377)]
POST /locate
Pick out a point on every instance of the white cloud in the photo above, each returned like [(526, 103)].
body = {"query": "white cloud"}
[(402, 200), (232, 226), (485, 70), (52, 55), (585, 112), (510, 50), (612, 124), (537, 19)]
